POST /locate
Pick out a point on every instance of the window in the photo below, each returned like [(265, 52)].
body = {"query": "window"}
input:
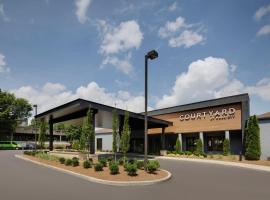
[(99, 144)]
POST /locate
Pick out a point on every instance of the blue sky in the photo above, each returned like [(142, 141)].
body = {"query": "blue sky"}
[(53, 51)]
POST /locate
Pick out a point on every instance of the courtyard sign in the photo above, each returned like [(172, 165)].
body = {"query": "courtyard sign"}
[(213, 115)]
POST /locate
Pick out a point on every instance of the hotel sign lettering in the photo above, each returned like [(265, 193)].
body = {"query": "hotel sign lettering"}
[(222, 114)]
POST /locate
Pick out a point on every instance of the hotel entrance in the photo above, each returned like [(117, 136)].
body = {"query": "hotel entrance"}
[(214, 142)]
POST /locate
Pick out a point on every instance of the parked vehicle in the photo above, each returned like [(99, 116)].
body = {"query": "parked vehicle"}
[(9, 145)]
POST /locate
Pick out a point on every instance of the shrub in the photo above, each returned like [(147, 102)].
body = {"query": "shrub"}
[(204, 155), (110, 159), (75, 162), (98, 167), (188, 153), (131, 169), (114, 168), (196, 153), (199, 146), (132, 161), (87, 164), (62, 160), (252, 139), (68, 162), (76, 144), (152, 166), (226, 147), (178, 146), (140, 164), (103, 161), (121, 161)]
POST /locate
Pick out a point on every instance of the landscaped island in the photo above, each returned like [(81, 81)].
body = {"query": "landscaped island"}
[(122, 169)]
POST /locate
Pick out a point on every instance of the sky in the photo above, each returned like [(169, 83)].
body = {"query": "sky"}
[(55, 51)]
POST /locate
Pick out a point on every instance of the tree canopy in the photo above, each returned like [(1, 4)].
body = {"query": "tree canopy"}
[(12, 111)]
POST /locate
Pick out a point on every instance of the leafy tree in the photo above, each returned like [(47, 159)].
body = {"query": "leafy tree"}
[(89, 130), (178, 146), (199, 146), (125, 135), (252, 142), (42, 135), (12, 111), (59, 127), (226, 147), (115, 125), (73, 132)]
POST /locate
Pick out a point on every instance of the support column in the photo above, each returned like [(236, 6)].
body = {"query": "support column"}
[(227, 135), (181, 141), (93, 143), (163, 139), (51, 133), (202, 139), (60, 138)]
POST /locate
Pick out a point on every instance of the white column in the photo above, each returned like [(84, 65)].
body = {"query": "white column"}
[(227, 135), (181, 141), (201, 137)]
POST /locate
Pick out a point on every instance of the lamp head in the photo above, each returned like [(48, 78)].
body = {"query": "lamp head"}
[(152, 54)]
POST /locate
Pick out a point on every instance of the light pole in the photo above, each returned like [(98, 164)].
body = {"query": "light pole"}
[(35, 106), (150, 55)]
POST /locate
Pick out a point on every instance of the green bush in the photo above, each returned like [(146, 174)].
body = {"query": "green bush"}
[(98, 167), (110, 159), (132, 161), (178, 146), (114, 168), (62, 160), (140, 164), (75, 162), (103, 161), (131, 169), (196, 153), (87, 164), (151, 166), (188, 153), (252, 139), (68, 162), (76, 144), (121, 160), (226, 147), (199, 146)]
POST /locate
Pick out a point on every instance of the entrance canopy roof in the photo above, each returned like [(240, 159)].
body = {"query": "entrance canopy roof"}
[(78, 108)]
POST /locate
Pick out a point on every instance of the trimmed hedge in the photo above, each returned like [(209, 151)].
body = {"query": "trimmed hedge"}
[(114, 168), (87, 164), (62, 160), (75, 162), (131, 169), (68, 162), (98, 167)]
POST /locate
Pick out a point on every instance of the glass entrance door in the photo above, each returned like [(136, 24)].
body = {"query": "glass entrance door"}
[(215, 143), (191, 143)]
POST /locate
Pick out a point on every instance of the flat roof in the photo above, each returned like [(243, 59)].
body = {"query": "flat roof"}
[(264, 116), (202, 104), (78, 108)]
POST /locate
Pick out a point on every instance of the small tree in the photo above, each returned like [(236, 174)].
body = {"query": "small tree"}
[(226, 147), (115, 126), (91, 130), (178, 146), (125, 135), (42, 134), (252, 143), (199, 146), (84, 134)]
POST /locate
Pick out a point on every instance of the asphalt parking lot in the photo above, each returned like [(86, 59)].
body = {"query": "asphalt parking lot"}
[(23, 180)]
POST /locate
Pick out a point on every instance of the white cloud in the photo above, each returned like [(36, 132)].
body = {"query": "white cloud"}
[(122, 65), (55, 94), (173, 7), (81, 10), (3, 64), (187, 39), (210, 78), (121, 38), (264, 30), (179, 33), (3, 14), (262, 12)]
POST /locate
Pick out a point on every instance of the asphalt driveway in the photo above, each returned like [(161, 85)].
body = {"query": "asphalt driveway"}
[(22, 180)]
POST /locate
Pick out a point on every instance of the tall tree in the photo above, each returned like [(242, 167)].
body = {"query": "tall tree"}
[(90, 130), (252, 143), (199, 146), (12, 111), (115, 126), (125, 135), (178, 145), (42, 135), (73, 132), (84, 138)]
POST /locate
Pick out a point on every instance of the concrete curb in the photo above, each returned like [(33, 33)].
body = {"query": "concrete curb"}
[(219, 162), (101, 181)]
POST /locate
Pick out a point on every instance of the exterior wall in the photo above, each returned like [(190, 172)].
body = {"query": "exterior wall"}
[(106, 141), (218, 118), (265, 138)]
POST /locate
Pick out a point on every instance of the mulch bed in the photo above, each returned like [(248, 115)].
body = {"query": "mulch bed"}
[(105, 174)]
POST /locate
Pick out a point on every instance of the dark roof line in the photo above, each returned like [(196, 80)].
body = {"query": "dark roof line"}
[(240, 97)]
